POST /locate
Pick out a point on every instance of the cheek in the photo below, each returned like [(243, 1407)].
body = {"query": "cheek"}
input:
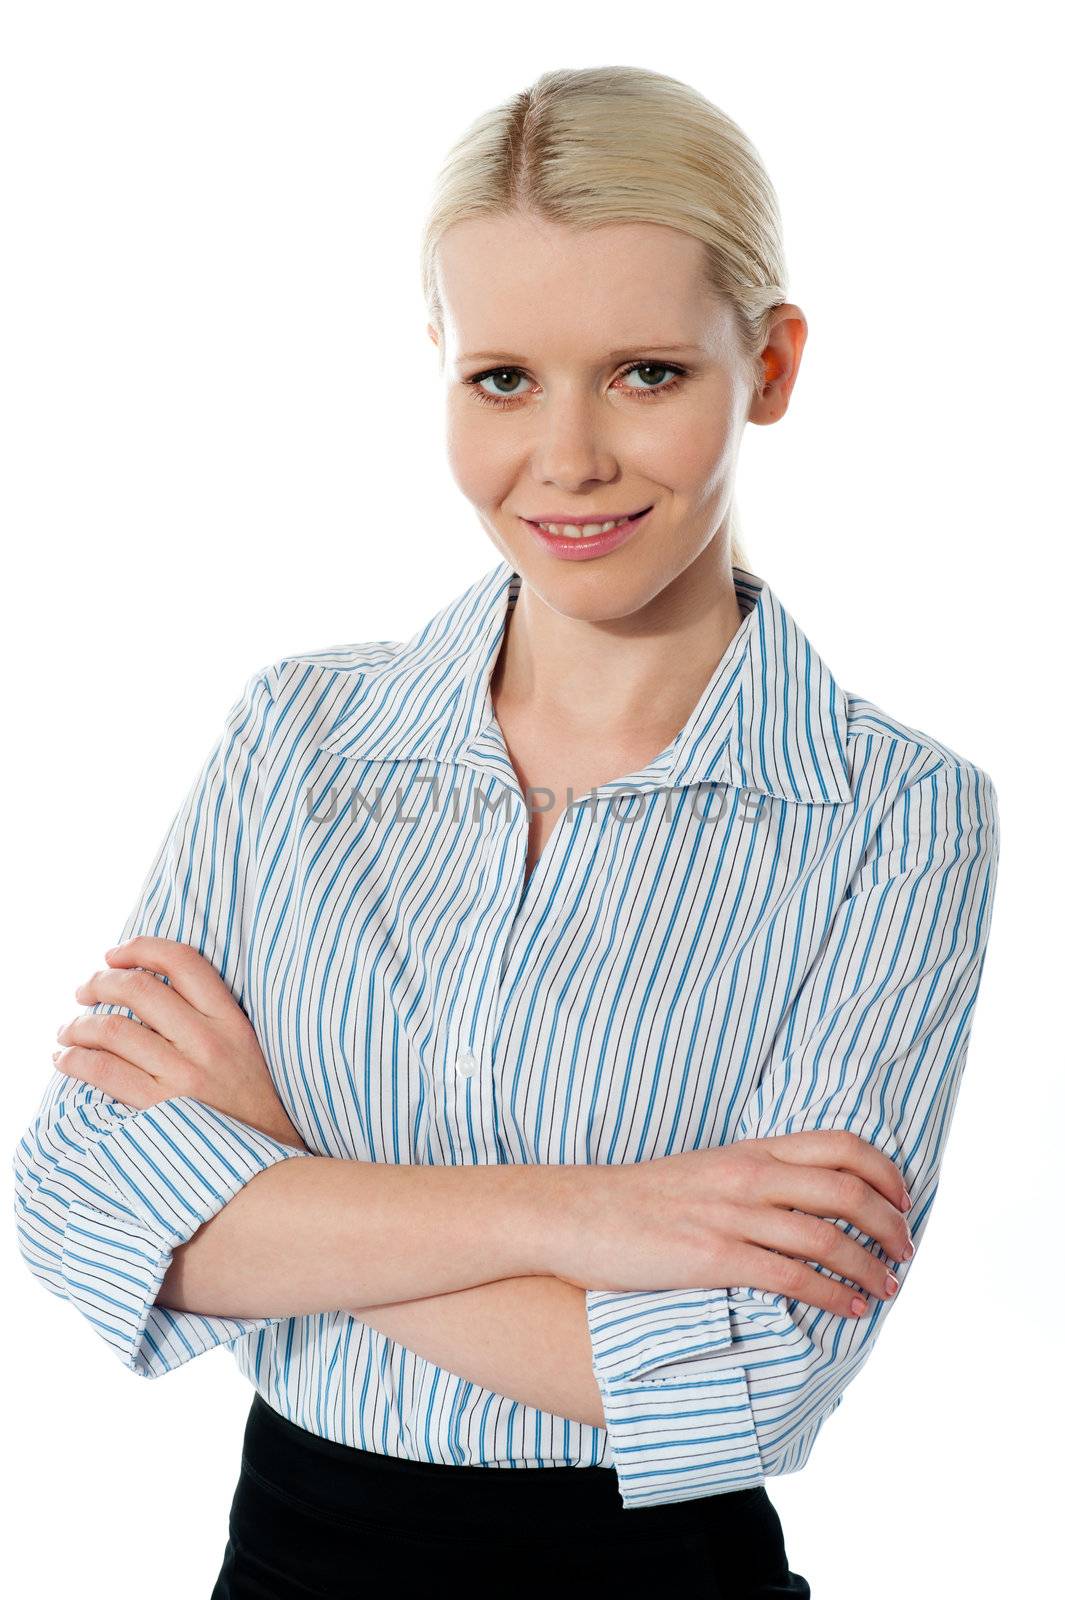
[(479, 456), (696, 450), (688, 455)]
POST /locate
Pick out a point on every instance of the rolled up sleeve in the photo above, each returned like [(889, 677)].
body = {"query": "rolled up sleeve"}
[(104, 1192), (710, 1390)]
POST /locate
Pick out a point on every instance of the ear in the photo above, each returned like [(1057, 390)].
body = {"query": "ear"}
[(780, 360)]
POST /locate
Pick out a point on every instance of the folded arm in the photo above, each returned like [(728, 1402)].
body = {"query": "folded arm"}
[(716, 1389), (526, 1338), (704, 1391), (177, 1227), (105, 1193)]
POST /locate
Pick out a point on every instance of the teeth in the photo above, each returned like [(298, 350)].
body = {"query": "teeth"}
[(569, 530)]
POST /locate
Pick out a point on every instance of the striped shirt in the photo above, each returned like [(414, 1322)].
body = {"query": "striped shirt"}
[(778, 924)]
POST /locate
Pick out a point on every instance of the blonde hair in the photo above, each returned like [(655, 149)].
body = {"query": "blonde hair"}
[(600, 145)]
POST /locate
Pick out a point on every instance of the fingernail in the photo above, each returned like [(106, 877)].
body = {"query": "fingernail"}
[(906, 1201), (891, 1285), (859, 1307), (907, 1254)]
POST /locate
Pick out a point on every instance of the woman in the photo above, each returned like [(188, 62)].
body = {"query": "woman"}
[(589, 1086)]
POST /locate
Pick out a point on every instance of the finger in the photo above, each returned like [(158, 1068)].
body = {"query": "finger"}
[(838, 1148), (138, 1046), (763, 1269), (117, 1078), (825, 1192), (812, 1239), (190, 973), (156, 1004)]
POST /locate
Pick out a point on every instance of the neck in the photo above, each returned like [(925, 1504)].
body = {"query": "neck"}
[(620, 676)]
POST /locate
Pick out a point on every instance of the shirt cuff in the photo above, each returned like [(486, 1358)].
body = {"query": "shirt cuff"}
[(678, 1428), (146, 1188)]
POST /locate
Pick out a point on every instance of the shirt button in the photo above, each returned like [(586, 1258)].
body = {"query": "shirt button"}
[(467, 1064)]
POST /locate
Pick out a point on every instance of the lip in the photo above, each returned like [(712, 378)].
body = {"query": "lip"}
[(582, 522), (586, 547)]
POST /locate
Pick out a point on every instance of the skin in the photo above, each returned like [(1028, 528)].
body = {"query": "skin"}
[(641, 631), (642, 628)]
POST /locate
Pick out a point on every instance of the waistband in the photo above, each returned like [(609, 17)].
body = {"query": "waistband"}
[(345, 1483)]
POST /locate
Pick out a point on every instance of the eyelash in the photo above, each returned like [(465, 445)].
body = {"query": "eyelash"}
[(506, 402)]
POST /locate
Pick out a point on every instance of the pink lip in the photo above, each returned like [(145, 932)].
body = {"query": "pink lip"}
[(591, 545), (582, 522)]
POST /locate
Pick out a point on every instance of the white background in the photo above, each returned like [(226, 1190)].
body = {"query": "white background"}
[(222, 442)]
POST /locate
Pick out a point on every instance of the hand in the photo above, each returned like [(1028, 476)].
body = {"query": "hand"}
[(748, 1213), (192, 1038)]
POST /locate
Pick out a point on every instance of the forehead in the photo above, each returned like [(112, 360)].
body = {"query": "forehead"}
[(513, 282)]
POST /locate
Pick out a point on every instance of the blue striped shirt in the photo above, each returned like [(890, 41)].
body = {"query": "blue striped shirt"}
[(778, 924)]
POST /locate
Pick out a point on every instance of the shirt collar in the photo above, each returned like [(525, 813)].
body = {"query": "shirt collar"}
[(772, 717)]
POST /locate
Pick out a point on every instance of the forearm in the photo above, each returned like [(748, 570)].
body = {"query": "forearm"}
[(526, 1338), (311, 1235)]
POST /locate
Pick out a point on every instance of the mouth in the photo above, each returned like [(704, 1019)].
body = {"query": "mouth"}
[(585, 528)]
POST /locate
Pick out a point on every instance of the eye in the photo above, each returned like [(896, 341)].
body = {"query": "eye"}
[(506, 374), (653, 366), (511, 375)]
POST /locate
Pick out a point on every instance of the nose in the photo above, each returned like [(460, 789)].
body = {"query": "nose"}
[(573, 448)]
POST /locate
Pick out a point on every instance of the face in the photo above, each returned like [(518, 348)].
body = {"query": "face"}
[(563, 402)]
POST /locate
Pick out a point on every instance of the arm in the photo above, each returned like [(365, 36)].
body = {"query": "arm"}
[(711, 1390), (743, 1372), (104, 1193), (526, 1338), (308, 1236)]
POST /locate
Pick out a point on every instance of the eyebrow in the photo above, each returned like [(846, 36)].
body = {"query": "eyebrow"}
[(612, 355)]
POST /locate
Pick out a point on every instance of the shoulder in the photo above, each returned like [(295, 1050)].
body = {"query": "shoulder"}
[(328, 665), (911, 787), (876, 739), (312, 690)]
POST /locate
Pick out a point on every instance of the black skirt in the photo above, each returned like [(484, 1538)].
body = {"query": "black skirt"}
[(311, 1517)]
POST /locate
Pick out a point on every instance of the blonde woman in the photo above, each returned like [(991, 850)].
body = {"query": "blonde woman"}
[(534, 1046)]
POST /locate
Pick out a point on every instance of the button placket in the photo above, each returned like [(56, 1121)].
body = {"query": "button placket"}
[(463, 1103)]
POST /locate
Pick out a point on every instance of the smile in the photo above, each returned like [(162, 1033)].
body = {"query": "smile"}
[(585, 528)]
